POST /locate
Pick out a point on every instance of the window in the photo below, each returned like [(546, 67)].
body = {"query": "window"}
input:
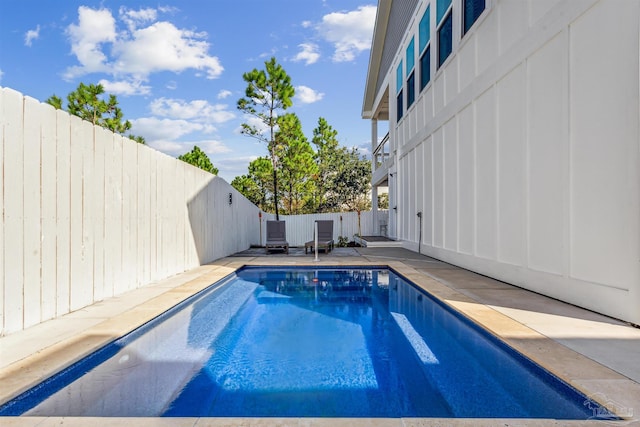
[(425, 68), (411, 89), (411, 81), (471, 10), (445, 38), (424, 30), (424, 37), (399, 81), (410, 56), (443, 7)]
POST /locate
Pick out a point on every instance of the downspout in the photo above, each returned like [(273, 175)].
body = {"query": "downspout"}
[(260, 222), (420, 231)]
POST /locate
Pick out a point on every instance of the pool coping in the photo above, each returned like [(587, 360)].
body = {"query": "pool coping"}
[(600, 383)]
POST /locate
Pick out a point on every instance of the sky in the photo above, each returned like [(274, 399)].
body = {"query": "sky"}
[(176, 67)]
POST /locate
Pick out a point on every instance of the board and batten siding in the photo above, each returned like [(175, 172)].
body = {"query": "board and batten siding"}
[(523, 153), (88, 214), (400, 14)]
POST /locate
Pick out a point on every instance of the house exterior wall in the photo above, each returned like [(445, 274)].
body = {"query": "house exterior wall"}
[(399, 15), (88, 214), (523, 151)]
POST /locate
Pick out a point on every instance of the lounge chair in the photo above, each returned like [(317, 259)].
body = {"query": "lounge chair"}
[(325, 236), (277, 236)]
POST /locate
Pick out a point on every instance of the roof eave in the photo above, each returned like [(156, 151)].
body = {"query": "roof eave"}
[(375, 57)]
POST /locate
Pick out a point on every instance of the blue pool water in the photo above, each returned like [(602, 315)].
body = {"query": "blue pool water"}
[(307, 343)]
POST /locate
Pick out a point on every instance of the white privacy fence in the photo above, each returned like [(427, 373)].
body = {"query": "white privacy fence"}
[(300, 227), (88, 214)]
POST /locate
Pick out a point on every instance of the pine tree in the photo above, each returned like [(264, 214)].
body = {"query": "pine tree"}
[(268, 92), (199, 158), (88, 102), (297, 166)]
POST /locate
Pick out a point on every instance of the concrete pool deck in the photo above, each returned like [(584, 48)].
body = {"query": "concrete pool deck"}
[(594, 353)]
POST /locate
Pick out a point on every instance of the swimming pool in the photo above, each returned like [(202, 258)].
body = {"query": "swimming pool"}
[(315, 342)]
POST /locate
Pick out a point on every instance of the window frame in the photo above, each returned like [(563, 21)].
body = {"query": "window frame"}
[(410, 81), (427, 54), (411, 89), (399, 92), (463, 16), (447, 16), (424, 48)]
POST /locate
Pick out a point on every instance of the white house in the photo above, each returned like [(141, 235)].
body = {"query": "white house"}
[(514, 140)]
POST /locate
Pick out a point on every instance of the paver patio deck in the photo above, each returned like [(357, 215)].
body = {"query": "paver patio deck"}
[(596, 354)]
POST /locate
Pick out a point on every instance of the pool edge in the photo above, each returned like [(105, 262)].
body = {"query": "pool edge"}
[(593, 379)]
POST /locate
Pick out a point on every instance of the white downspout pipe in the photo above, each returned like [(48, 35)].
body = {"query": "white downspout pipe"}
[(315, 242)]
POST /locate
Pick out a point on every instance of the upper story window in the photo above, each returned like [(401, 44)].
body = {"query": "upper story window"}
[(444, 31), (424, 46), (399, 82), (471, 11), (411, 81)]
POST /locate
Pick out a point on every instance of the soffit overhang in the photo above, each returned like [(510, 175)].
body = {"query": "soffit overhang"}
[(375, 57)]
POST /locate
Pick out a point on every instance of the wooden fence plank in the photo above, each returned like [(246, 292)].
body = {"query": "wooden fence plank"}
[(102, 140), (63, 212), (13, 210), (48, 275), (2, 284), (32, 228)]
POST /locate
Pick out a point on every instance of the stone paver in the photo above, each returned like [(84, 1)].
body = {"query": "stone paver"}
[(596, 354)]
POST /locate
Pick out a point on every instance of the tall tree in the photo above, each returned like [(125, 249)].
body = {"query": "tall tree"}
[(249, 189), (138, 139), (351, 184), (54, 101), (89, 103), (297, 166), (268, 92), (257, 185), (325, 138), (383, 201), (199, 158)]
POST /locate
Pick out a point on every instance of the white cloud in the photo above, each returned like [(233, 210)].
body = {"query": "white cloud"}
[(349, 32), (171, 85), (255, 122), (364, 150), (306, 95), (269, 54), (146, 46), (233, 166), (173, 119), (163, 47), (1, 74), (153, 128), (198, 110), (306, 24), (212, 147), (174, 148), (134, 87), (31, 35), (309, 53), (94, 28), (224, 94), (135, 18)]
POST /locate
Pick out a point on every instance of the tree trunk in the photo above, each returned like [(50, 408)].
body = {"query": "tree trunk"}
[(290, 196), (275, 192)]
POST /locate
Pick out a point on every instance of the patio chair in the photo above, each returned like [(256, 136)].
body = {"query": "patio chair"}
[(325, 236), (277, 236)]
